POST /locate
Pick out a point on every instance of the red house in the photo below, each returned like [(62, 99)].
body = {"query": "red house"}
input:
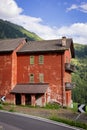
[(37, 72)]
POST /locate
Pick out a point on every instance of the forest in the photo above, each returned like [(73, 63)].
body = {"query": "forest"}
[(79, 93), (10, 30)]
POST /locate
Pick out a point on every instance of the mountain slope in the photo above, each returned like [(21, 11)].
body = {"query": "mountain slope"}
[(80, 76), (10, 30)]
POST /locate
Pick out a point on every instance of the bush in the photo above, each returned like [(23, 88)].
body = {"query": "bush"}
[(52, 106)]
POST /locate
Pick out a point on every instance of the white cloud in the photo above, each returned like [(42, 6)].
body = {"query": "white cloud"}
[(77, 31), (82, 7), (72, 7), (9, 8)]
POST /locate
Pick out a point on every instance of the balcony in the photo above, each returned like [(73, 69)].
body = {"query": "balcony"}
[(69, 67), (69, 86)]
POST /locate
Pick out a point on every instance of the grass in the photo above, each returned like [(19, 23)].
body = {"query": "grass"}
[(12, 109), (1, 107), (69, 122)]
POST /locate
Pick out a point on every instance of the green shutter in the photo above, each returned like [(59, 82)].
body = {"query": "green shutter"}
[(41, 59), (31, 59), (41, 78)]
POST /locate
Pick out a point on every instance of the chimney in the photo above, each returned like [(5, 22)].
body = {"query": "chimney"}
[(64, 41)]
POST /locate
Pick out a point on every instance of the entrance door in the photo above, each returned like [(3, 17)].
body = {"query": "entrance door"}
[(68, 98), (18, 99), (28, 99)]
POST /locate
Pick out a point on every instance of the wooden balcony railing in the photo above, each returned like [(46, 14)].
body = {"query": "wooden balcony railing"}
[(69, 67), (69, 86)]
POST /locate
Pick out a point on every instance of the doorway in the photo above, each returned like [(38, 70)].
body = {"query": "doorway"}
[(28, 99), (18, 99)]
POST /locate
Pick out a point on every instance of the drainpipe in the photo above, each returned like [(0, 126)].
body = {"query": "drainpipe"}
[(62, 79), (64, 41)]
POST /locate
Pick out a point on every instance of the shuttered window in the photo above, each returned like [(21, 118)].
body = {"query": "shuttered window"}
[(31, 60), (31, 78), (41, 59), (41, 78)]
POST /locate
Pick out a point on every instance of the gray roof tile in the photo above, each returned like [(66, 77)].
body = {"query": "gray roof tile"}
[(46, 46), (30, 88), (10, 44)]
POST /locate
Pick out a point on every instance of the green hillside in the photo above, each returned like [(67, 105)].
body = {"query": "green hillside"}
[(80, 76), (10, 30)]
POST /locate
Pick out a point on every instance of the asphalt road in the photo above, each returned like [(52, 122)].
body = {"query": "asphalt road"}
[(15, 121)]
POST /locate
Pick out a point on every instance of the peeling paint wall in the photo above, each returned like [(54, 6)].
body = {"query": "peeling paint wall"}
[(5, 73), (51, 69), (8, 72)]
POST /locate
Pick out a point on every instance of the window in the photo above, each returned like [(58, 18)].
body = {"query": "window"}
[(31, 78), (41, 59), (41, 78), (31, 60)]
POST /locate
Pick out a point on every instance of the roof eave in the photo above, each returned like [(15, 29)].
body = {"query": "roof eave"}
[(42, 51), (6, 51)]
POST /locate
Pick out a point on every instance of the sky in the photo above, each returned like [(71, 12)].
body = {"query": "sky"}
[(49, 19)]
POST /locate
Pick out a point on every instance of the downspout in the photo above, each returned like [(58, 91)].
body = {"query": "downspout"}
[(64, 41), (62, 79)]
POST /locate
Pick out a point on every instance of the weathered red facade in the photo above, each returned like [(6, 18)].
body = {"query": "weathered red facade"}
[(15, 68), (5, 73), (8, 65)]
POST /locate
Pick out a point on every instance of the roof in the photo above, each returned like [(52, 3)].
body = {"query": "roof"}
[(30, 88), (8, 45), (46, 46)]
